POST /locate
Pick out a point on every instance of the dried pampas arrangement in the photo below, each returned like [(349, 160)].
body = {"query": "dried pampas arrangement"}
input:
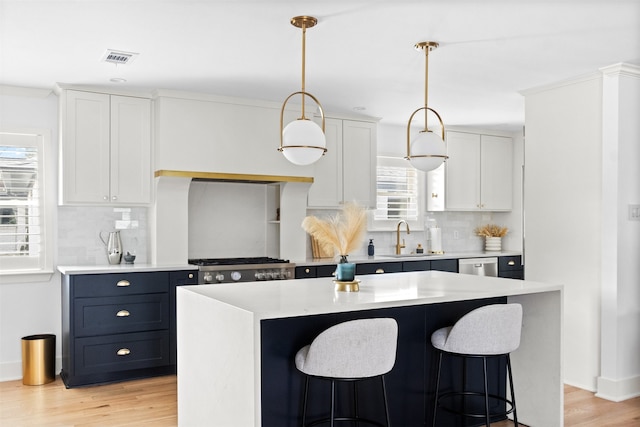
[(341, 233), (491, 230)]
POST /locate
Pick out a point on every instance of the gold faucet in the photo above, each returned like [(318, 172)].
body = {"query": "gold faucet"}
[(398, 245)]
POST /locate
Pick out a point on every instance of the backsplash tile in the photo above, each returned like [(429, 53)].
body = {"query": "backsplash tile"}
[(79, 227)]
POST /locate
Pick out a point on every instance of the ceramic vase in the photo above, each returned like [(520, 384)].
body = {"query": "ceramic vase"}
[(493, 244)]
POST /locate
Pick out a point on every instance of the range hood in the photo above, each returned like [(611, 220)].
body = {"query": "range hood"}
[(232, 177)]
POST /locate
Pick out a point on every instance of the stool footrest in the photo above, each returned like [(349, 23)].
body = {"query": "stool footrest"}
[(342, 419), (450, 395)]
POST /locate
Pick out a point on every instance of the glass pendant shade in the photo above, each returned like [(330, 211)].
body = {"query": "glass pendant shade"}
[(303, 142), (431, 146)]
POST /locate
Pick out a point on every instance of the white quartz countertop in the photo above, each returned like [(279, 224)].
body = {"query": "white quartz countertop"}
[(121, 268), (302, 297), (406, 257)]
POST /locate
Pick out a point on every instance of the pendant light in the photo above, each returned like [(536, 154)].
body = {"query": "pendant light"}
[(427, 151), (302, 141)]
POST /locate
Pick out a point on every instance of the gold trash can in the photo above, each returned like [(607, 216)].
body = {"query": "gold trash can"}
[(38, 359)]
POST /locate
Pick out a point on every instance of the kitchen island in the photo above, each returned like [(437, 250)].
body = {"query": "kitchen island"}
[(236, 343)]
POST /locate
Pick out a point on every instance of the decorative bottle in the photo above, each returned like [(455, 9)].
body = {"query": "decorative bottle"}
[(371, 249)]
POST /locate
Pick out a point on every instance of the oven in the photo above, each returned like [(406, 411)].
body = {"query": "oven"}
[(231, 270)]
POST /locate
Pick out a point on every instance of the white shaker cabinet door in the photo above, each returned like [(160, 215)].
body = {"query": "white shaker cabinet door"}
[(359, 162), (85, 148), (496, 173), (326, 190), (462, 170), (130, 150)]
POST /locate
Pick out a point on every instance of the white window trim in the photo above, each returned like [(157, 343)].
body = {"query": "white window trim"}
[(47, 164), (391, 224)]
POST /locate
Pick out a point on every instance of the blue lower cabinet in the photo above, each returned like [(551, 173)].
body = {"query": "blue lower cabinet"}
[(119, 326), (450, 265), (511, 267), (379, 268)]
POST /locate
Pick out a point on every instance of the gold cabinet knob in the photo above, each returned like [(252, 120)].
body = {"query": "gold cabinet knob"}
[(379, 271), (123, 313), (190, 275), (123, 283), (123, 352), (306, 270), (512, 262)]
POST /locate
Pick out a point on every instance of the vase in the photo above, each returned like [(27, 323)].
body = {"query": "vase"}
[(493, 244), (345, 272)]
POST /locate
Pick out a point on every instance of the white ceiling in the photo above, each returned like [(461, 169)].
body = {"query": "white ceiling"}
[(359, 55)]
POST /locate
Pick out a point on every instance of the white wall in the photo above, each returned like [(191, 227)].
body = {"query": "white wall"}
[(620, 366), (28, 308), (578, 185)]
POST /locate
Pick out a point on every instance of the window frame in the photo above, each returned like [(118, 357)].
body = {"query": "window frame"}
[(374, 224), (9, 272)]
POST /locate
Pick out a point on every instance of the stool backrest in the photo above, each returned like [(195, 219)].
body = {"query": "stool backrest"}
[(355, 349), (492, 329)]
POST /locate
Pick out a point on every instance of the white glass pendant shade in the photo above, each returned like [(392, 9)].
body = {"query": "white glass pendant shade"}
[(427, 144), (303, 142)]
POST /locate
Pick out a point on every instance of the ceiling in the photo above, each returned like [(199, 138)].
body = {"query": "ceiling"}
[(359, 56)]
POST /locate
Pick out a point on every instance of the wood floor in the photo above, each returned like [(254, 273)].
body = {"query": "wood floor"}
[(152, 402)]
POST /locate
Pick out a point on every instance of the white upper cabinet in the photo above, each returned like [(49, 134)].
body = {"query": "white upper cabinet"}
[(479, 172), (105, 149), (347, 172)]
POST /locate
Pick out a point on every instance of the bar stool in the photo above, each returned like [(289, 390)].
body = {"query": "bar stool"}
[(350, 351), (486, 332)]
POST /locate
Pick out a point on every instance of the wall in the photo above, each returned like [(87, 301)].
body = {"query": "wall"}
[(620, 365), (581, 175)]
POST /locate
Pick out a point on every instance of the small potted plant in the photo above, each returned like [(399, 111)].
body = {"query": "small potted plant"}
[(493, 235), (339, 234)]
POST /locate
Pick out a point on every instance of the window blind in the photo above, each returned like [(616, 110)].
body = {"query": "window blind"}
[(21, 230), (396, 189)]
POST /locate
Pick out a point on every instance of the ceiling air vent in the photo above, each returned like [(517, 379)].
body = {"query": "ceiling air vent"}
[(119, 57)]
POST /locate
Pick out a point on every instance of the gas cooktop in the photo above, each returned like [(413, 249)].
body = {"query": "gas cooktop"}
[(237, 261)]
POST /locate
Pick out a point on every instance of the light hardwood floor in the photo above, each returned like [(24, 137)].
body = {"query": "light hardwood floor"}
[(152, 402)]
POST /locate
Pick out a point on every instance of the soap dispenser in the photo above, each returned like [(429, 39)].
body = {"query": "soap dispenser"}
[(371, 249)]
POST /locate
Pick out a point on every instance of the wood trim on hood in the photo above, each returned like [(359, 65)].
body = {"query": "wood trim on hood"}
[(232, 177)]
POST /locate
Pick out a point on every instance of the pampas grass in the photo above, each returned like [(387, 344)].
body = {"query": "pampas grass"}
[(491, 230), (341, 233)]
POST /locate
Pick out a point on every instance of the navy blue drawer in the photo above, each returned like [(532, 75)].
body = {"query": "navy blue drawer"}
[(506, 263), (104, 285), (112, 315), (305, 272), (112, 353), (373, 268)]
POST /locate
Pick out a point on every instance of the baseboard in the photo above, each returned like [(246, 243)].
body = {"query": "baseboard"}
[(11, 371), (618, 390), (591, 388)]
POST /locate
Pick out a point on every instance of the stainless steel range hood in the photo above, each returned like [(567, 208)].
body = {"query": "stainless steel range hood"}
[(232, 177)]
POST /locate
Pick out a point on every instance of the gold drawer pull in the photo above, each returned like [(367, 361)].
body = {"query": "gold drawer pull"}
[(190, 275), (123, 283), (306, 270), (512, 262), (123, 352), (380, 271), (123, 313)]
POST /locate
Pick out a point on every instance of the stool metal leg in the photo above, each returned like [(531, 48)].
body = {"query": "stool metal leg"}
[(486, 392), (513, 395), (333, 401), (304, 404), (384, 395), (435, 406)]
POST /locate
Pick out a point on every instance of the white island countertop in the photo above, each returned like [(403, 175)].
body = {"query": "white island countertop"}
[(303, 297), (221, 349)]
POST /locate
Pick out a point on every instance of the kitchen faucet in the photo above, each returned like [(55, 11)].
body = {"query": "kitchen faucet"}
[(398, 245)]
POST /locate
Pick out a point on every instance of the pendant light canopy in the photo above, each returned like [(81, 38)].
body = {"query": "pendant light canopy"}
[(302, 141), (427, 150)]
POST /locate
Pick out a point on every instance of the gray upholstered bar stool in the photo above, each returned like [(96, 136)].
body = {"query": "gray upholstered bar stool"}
[(486, 332), (350, 351)]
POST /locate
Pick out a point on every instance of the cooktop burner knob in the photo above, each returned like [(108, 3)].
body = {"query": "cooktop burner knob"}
[(207, 277), (235, 276), (219, 277)]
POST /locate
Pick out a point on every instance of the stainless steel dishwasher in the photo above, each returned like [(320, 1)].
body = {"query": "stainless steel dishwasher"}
[(479, 266)]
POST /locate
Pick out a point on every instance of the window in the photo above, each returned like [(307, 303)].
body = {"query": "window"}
[(398, 191), (23, 223)]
